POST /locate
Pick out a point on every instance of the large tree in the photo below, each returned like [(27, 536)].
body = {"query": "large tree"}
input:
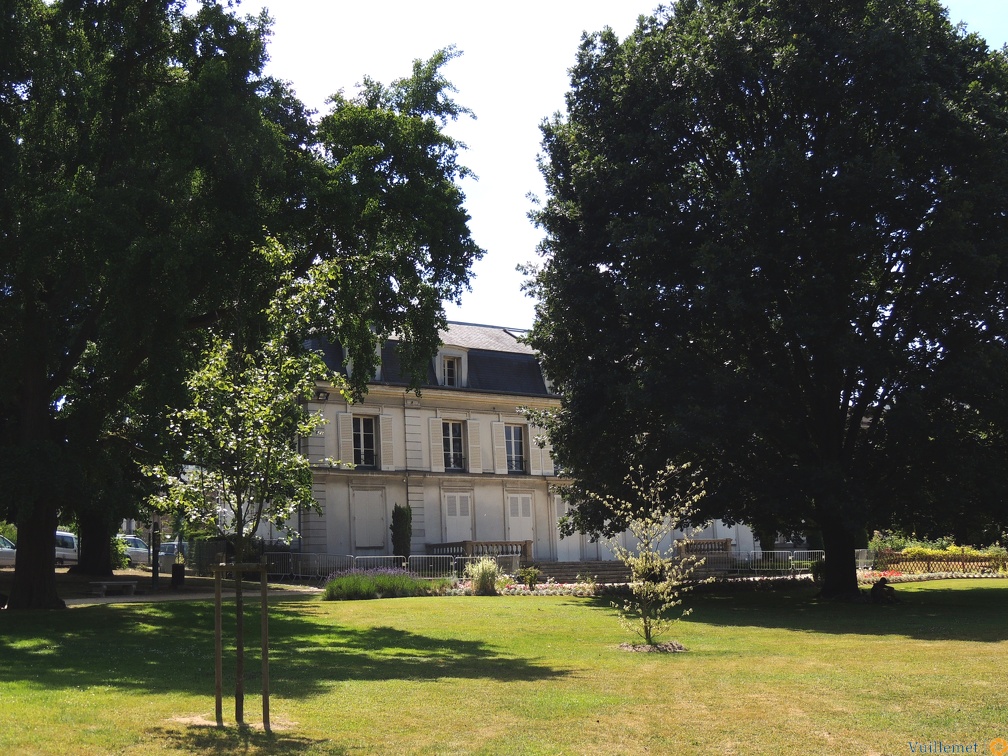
[(144, 155), (776, 249)]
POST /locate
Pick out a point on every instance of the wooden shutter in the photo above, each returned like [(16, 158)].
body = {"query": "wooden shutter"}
[(547, 460), (534, 453), (344, 422), (387, 461), (475, 455), (436, 445), (499, 448)]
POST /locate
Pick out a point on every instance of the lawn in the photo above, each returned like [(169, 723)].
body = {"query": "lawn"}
[(766, 672)]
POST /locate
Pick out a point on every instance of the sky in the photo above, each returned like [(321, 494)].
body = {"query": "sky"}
[(512, 74)]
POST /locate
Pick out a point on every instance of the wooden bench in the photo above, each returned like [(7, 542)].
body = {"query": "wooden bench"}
[(704, 546), (102, 587), (716, 553)]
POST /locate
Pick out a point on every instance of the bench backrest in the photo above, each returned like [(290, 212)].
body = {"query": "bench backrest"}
[(705, 546)]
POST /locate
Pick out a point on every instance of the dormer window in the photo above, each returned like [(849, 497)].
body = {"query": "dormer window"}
[(452, 368), (451, 372)]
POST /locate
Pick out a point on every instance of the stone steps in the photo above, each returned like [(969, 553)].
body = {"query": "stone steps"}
[(568, 572)]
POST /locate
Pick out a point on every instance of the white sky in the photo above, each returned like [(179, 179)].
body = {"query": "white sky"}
[(512, 75)]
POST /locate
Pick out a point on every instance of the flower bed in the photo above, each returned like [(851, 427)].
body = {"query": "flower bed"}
[(511, 588), (868, 577)]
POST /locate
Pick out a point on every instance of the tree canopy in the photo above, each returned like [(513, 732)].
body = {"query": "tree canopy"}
[(776, 250), (144, 156)]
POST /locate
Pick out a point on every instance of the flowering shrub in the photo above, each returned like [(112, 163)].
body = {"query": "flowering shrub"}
[(550, 588), (867, 577), (484, 574), (511, 587)]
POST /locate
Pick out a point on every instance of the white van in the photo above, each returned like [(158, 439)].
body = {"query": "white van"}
[(66, 548)]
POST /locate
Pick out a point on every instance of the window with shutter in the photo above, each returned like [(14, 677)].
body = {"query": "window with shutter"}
[(514, 442), (364, 441), (451, 442)]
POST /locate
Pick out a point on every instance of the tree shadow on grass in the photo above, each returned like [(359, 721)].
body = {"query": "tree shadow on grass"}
[(127, 646), (941, 610), (208, 738)]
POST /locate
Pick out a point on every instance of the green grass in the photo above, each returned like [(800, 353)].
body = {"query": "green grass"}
[(766, 672)]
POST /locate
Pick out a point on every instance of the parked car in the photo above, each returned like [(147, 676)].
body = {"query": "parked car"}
[(7, 552), (67, 549), (170, 552), (137, 552)]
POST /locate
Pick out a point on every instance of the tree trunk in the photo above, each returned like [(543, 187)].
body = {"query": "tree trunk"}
[(34, 584), (840, 572), (95, 544), (239, 633)]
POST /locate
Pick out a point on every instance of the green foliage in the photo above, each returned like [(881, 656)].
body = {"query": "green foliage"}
[(894, 540), (529, 575), (123, 235), (246, 407), (144, 155), (589, 583), (817, 568), (374, 584), (658, 576), (774, 249), (8, 531), (402, 530), (485, 574), (393, 208), (117, 553)]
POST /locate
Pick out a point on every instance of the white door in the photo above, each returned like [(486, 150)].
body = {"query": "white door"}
[(520, 517), (458, 517), (569, 547), (369, 528)]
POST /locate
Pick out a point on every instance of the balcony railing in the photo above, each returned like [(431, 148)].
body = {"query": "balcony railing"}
[(493, 549)]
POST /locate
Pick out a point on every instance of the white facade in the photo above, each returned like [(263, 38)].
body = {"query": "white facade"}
[(461, 454)]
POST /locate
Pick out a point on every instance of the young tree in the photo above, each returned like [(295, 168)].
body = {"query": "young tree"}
[(775, 249), (248, 408), (659, 576)]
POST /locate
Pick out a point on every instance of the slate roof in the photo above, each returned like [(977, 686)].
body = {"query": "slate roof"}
[(488, 338), (497, 361)]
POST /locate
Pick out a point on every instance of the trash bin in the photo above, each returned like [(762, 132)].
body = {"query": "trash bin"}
[(177, 575)]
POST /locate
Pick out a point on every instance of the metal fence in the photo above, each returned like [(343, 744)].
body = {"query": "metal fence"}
[(319, 567), (760, 563)]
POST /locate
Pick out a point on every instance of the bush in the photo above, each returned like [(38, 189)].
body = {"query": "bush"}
[(380, 583), (529, 576), (117, 550), (402, 530), (818, 570), (8, 531), (484, 574), (894, 540)]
